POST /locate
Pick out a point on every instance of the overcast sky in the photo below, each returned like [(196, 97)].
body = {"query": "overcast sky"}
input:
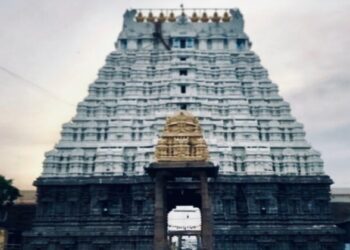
[(60, 45)]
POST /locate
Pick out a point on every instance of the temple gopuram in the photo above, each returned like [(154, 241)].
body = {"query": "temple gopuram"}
[(183, 114)]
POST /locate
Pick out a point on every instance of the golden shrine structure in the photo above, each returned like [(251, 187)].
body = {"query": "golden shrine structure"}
[(182, 140)]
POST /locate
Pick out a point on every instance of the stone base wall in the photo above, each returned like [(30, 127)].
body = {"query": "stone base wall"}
[(249, 213)]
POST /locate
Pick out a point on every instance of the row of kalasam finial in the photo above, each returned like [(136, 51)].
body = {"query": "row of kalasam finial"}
[(216, 18)]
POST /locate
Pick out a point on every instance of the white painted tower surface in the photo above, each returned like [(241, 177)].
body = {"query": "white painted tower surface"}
[(206, 68)]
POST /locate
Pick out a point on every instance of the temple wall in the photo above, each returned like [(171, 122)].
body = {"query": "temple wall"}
[(248, 212)]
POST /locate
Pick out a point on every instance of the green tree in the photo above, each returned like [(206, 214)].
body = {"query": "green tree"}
[(8, 193)]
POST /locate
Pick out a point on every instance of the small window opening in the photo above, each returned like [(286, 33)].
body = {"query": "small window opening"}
[(183, 106), (123, 43), (183, 43), (183, 59), (139, 43), (183, 72), (106, 135), (240, 43), (183, 89)]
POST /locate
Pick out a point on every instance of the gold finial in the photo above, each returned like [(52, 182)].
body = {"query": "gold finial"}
[(150, 18), (226, 17), (161, 17), (140, 18), (204, 18), (194, 17), (171, 17), (216, 18), (182, 140)]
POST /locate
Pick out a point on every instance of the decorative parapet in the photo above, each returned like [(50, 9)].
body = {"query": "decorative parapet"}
[(196, 15)]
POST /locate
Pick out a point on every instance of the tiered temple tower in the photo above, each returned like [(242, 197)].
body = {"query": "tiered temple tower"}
[(270, 191)]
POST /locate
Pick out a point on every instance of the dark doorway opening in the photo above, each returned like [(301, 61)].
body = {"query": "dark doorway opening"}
[(183, 43), (184, 216), (183, 106)]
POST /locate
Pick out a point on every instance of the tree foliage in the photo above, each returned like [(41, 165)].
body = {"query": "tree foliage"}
[(8, 193)]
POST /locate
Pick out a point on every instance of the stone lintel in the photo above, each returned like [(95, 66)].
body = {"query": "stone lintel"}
[(183, 168)]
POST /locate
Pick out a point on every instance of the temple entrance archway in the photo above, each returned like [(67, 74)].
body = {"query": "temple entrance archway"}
[(184, 216), (182, 185), (184, 228), (181, 174)]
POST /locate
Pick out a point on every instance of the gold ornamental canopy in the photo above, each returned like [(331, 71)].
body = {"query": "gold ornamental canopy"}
[(182, 140)]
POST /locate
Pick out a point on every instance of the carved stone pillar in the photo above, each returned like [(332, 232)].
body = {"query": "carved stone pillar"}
[(207, 230), (160, 239), (198, 242), (180, 242)]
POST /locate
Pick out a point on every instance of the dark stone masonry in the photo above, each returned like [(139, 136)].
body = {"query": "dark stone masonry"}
[(249, 212)]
